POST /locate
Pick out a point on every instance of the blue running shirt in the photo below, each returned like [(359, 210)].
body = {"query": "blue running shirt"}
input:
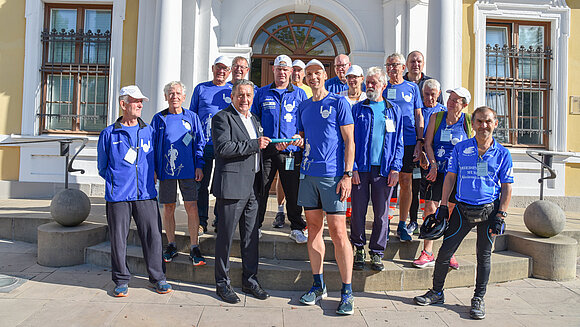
[(407, 96), (207, 100)]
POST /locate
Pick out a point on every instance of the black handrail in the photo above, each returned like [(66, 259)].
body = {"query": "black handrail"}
[(64, 151), (546, 162)]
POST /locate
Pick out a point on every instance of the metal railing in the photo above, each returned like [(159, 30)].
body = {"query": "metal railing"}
[(547, 158), (64, 152)]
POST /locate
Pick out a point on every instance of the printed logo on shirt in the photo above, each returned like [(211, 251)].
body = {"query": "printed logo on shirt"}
[(171, 156), (441, 152), (407, 98), (186, 124), (469, 151), (326, 112), (305, 160), (118, 142), (145, 146), (227, 100), (269, 105), (289, 106), (288, 117)]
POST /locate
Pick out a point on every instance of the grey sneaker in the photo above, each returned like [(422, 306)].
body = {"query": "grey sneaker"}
[(377, 262), (359, 259), (279, 220), (169, 253), (315, 294), (298, 236), (346, 305), (477, 308), (431, 297)]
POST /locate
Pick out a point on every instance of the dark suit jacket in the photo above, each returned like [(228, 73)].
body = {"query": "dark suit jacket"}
[(235, 154)]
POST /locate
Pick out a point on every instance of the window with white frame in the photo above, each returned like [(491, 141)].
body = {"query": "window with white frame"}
[(517, 80), (76, 43)]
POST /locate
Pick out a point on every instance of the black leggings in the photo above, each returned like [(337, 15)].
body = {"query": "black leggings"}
[(454, 235)]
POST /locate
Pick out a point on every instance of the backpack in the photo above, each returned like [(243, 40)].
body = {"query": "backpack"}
[(466, 124)]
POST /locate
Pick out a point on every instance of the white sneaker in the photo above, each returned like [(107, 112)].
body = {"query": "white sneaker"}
[(259, 233), (298, 236)]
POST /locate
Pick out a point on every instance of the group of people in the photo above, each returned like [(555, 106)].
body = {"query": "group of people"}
[(327, 139)]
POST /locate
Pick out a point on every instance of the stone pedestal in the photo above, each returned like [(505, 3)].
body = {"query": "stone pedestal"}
[(60, 246)]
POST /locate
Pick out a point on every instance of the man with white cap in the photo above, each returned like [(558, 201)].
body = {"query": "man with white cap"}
[(208, 98), (298, 76), (125, 159), (276, 106), (326, 125), (354, 79)]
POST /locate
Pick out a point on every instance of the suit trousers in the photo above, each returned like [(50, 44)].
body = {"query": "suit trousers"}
[(233, 212), (290, 181), (148, 221)]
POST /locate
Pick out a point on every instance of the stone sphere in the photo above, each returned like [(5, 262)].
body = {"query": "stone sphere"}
[(544, 218), (70, 207)]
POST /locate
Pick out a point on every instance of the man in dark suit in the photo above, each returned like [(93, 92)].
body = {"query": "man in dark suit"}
[(237, 138)]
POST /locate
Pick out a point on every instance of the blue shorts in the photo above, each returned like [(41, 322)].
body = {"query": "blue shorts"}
[(320, 193)]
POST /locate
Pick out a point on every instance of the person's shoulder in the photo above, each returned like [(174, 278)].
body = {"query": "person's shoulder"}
[(502, 149), (107, 130)]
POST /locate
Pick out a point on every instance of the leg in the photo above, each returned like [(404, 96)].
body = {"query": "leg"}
[(280, 196), (430, 208), (342, 247), (316, 248), (268, 173), (203, 191), (380, 194), (229, 212), (414, 208), (249, 242), (359, 200), (169, 221), (118, 220), (148, 221), (192, 221), (455, 233), (484, 245), (290, 180), (405, 192)]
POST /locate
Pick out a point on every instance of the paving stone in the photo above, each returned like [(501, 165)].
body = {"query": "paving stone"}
[(547, 320), (497, 300), (73, 313), (316, 316), (15, 311), (377, 317), (235, 316), (491, 319), (146, 314)]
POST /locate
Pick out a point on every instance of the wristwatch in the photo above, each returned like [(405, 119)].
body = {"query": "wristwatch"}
[(348, 173), (502, 213)]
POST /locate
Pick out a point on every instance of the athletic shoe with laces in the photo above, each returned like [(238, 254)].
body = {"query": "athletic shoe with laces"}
[(412, 227), (121, 290), (315, 294), (359, 259), (477, 308), (279, 220), (346, 305), (196, 258), (201, 230), (425, 260), (402, 232), (169, 253), (298, 236), (162, 287), (377, 262), (429, 298), (453, 263)]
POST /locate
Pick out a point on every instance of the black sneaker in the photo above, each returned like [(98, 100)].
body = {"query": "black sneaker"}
[(359, 259), (196, 258), (377, 262), (169, 253), (431, 297), (477, 308), (279, 220)]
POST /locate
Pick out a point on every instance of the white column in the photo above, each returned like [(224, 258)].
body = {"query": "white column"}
[(168, 48), (444, 42)]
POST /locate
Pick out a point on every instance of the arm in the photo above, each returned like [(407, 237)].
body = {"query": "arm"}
[(450, 179), (429, 148), (224, 146), (344, 186), (102, 153), (506, 196), (419, 126), (199, 142)]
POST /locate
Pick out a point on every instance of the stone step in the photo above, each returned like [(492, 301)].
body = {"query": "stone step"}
[(276, 274)]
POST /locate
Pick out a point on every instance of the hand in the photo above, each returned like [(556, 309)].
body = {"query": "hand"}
[(442, 213), (432, 175), (355, 178), (496, 226), (393, 178), (423, 161), (417, 151), (198, 174), (299, 141), (263, 141), (343, 188), (282, 146)]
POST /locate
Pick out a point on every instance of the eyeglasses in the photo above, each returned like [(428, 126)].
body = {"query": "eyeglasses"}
[(240, 67), (394, 64), (342, 65)]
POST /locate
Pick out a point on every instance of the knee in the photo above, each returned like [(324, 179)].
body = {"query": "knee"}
[(169, 207)]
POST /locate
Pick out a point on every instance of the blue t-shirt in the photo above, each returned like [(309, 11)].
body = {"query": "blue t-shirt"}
[(446, 136), (132, 130), (379, 129), (177, 156), (207, 100), (407, 96), (323, 147), (479, 186), (427, 112), (335, 85)]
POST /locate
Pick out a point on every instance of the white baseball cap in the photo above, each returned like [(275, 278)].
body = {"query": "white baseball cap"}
[(462, 92), (223, 60), (298, 63), (133, 91), (314, 62), (283, 61), (355, 70)]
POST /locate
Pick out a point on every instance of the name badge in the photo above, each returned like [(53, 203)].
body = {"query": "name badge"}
[(130, 156), (187, 139), (445, 135), (416, 173), (482, 169), (290, 163), (391, 94), (301, 176), (390, 125)]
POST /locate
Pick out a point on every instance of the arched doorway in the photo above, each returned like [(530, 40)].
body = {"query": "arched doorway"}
[(300, 36)]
